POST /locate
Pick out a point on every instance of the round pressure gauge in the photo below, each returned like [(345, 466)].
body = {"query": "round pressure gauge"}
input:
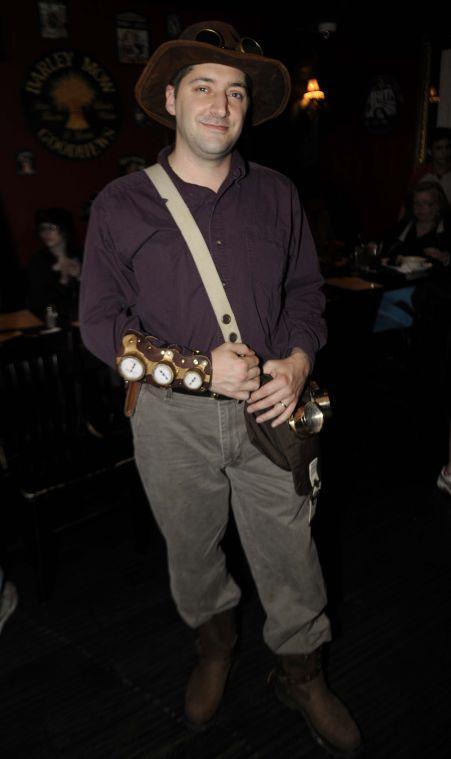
[(132, 368), (163, 374), (193, 380)]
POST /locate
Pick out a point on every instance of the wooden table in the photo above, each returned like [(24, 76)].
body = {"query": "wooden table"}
[(14, 323), (352, 283), (19, 320)]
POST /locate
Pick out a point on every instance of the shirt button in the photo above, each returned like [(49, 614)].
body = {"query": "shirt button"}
[(233, 337), (226, 319), (224, 284), (218, 242)]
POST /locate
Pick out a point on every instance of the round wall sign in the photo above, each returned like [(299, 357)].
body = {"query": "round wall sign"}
[(71, 104)]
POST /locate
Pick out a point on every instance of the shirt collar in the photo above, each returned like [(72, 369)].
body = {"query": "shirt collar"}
[(238, 169)]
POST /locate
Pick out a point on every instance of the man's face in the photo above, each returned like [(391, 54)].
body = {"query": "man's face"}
[(210, 108), (441, 153)]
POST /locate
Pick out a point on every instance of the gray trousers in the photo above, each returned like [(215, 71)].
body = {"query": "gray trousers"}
[(195, 461)]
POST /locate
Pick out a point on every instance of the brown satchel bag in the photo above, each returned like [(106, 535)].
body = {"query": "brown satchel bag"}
[(283, 447)]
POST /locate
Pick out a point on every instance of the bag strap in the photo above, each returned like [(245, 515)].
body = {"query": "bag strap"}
[(198, 249)]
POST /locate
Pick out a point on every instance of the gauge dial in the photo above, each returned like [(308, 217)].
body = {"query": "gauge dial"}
[(132, 368), (163, 374), (193, 380)]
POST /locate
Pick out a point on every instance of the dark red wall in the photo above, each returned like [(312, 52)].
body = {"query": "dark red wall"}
[(362, 176), (60, 182), (367, 173)]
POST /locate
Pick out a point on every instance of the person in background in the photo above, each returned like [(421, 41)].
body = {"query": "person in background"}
[(430, 346), (444, 478), (438, 169), (425, 229), (53, 273), (8, 599)]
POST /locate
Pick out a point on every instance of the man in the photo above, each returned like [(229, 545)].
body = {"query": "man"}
[(193, 452), (439, 168)]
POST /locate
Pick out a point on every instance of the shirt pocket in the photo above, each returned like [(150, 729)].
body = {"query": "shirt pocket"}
[(266, 256)]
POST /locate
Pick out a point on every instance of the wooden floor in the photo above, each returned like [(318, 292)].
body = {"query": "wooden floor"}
[(98, 672)]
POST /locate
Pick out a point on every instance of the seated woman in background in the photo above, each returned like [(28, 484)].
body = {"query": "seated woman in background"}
[(53, 273), (425, 230)]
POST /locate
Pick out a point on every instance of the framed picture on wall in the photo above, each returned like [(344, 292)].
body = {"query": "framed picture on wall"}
[(53, 19), (132, 38), (382, 103), (25, 163), (173, 25)]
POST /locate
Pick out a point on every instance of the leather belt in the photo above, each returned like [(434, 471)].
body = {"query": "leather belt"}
[(207, 394)]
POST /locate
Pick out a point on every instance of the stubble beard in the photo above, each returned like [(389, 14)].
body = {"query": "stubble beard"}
[(210, 146)]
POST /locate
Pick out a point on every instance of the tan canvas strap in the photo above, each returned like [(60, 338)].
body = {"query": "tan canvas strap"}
[(199, 251)]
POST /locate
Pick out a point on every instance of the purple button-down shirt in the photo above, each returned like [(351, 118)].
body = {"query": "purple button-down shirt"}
[(139, 274)]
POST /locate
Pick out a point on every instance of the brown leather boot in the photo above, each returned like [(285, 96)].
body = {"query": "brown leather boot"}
[(216, 642), (300, 685)]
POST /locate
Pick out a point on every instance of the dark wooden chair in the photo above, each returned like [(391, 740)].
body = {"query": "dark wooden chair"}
[(50, 455)]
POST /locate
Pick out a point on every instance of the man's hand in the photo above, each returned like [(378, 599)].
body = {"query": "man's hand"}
[(438, 255), (235, 371), (281, 394)]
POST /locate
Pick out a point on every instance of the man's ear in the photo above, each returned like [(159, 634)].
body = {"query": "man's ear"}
[(170, 99)]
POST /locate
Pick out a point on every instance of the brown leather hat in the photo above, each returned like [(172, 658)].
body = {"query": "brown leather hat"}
[(213, 42)]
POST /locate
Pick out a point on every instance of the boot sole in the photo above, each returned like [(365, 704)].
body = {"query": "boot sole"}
[(332, 750)]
